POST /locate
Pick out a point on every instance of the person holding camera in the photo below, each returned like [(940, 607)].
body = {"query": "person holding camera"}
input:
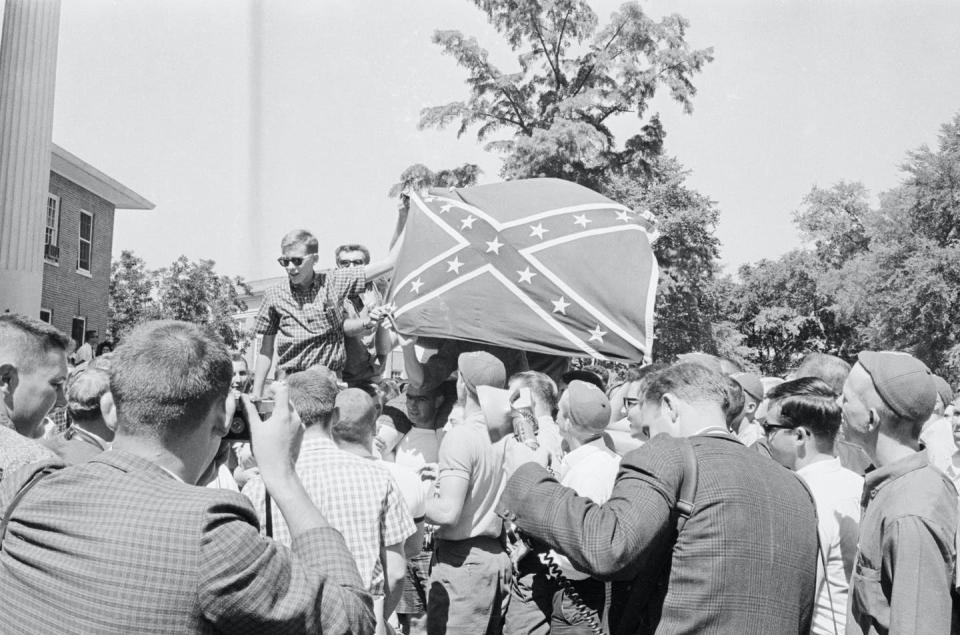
[(127, 543)]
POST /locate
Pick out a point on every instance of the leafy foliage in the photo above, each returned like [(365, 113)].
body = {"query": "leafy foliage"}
[(186, 290), (574, 75)]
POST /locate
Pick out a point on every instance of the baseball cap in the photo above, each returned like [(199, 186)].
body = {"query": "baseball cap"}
[(751, 384), (582, 374), (479, 368), (903, 382), (586, 406)]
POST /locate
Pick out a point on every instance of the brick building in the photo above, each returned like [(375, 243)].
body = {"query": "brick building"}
[(78, 243)]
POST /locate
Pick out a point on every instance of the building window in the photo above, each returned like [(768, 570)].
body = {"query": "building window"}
[(46, 315), (78, 329), (51, 237), (86, 242)]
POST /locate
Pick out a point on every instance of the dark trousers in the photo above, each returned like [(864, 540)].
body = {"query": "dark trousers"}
[(469, 587)]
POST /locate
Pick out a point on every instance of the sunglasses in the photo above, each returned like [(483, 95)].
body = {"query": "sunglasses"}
[(768, 428), (350, 263), (295, 260)]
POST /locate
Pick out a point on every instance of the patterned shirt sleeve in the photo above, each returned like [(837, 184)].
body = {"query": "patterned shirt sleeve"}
[(396, 521), (346, 282), (267, 321), (255, 492), (254, 585)]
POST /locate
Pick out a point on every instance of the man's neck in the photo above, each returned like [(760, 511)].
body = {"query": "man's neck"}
[(154, 451), (812, 457), (890, 450), (309, 281), (316, 431), (357, 449)]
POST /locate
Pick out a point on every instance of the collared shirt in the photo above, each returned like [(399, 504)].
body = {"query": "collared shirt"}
[(590, 470), (358, 496), (76, 445), (904, 572), (308, 322), (836, 492)]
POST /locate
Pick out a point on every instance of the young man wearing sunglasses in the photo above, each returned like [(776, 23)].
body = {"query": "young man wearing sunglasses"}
[(303, 318), (801, 425), (367, 349)]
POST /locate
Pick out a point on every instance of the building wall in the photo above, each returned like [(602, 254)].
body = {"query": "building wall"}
[(67, 292)]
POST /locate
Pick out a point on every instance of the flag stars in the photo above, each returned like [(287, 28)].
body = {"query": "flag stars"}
[(454, 265), (538, 230), (467, 223), (494, 246), (624, 216), (526, 275), (582, 220), (596, 335), (415, 286), (445, 208), (560, 305)]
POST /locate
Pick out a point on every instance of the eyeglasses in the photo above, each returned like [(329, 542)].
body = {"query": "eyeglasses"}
[(768, 428), (295, 260), (351, 263), (630, 402)]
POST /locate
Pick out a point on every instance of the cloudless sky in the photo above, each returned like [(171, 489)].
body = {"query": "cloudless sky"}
[(159, 95)]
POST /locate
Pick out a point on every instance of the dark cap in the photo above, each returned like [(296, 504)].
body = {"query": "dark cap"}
[(480, 368), (751, 384), (581, 374), (586, 406), (903, 382)]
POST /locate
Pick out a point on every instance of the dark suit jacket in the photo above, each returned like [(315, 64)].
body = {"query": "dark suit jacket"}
[(118, 545), (745, 562)]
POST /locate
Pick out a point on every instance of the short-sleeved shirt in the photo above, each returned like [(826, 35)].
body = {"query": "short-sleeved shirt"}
[(308, 322), (358, 496), (466, 452)]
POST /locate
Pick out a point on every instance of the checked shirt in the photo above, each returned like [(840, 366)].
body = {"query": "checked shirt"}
[(357, 496), (308, 322)]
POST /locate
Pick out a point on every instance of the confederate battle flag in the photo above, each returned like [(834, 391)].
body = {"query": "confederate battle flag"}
[(541, 265)]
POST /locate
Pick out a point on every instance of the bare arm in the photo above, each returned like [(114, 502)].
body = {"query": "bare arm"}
[(394, 570), (445, 508), (262, 366)]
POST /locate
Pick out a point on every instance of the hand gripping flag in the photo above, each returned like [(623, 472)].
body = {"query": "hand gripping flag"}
[(542, 265)]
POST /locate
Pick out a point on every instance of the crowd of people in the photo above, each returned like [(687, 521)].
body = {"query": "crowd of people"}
[(491, 491)]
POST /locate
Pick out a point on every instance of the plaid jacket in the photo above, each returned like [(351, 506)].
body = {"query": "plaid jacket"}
[(746, 561), (117, 545)]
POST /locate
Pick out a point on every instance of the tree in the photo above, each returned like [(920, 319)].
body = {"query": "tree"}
[(833, 220), (194, 292), (130, 303), (419, 177), (573, 77), (687, 252), (188, 291)]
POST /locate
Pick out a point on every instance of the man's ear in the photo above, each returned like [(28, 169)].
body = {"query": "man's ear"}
[(108, 410), (670, 407), (218, 412), (8, 378), (751, 407)]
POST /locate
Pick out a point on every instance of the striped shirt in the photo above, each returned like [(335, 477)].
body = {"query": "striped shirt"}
[(358, 496), (308, 322)]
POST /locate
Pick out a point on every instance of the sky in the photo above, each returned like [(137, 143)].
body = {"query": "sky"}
[(163, 95)]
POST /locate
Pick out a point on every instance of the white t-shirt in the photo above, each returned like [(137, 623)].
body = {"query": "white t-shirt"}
[(836, 492), (411, 489), (418, 447)]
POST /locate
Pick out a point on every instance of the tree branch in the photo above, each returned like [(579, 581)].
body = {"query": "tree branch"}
[(557, 77)]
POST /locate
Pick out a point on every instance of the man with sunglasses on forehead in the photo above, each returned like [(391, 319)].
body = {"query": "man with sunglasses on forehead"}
[(303, 317)]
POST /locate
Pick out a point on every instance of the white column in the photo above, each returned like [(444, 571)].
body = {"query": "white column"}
[(28, 69)]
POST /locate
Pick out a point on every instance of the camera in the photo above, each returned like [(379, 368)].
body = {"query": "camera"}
[(240, 426)]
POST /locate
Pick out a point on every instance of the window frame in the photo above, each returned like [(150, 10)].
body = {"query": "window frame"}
[(51, 233), (49, 313), (88, 241)]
